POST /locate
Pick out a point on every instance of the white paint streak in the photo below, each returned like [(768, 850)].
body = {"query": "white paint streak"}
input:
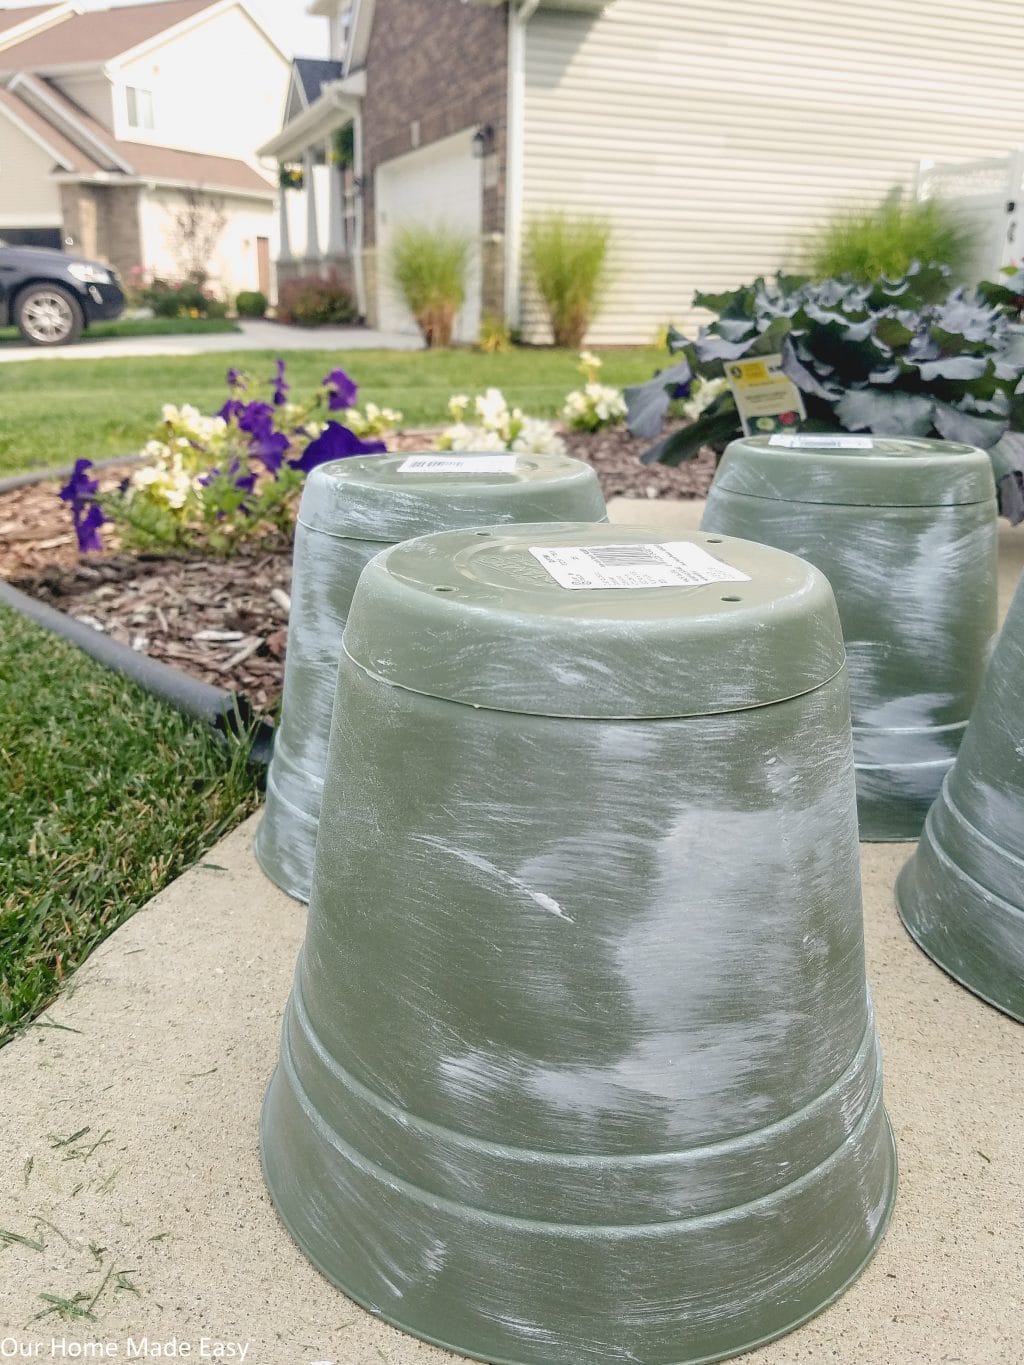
[(482, 864)]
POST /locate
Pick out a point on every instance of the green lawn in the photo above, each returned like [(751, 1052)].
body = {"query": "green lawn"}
[(107, 796), (135, 327), (52, 412)]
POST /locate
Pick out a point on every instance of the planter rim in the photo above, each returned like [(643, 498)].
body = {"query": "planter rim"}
[(474, 617), (896, 471)]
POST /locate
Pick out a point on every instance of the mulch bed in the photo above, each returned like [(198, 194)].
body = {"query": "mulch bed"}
[(225, 621)]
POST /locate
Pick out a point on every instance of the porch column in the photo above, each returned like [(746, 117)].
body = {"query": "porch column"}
[(336, 244), (312, 227), (284, 248)]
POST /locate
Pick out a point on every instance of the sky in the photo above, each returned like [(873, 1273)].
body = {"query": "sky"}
[(286, 20)]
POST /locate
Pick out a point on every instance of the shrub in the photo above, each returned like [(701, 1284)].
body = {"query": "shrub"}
[(251, 303), (182, 300), (568, 259), (883, 242), (495, 337), (497, 427), (429, 267), (315, 301), (902, 357)]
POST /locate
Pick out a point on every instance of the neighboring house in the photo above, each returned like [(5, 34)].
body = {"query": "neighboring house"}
[(712, 136), (130, 135)]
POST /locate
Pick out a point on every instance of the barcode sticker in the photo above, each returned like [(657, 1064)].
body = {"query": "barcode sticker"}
[(808, 442), (459, 464), (672, 565)]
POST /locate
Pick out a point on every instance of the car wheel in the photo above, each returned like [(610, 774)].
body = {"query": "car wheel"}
[(47, 315)]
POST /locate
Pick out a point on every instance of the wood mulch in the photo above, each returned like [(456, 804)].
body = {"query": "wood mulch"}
[(225, 621)]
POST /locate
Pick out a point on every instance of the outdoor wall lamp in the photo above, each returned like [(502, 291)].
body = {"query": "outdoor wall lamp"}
[(483, 140)]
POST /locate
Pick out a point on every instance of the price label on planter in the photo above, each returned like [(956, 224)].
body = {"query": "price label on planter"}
[(677, 564), (459, 464), (823, 442), (767, 400)]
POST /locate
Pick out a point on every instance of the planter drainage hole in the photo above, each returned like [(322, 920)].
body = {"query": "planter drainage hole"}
[(444, 589), (714, 540), (482, 533), (732, 599)]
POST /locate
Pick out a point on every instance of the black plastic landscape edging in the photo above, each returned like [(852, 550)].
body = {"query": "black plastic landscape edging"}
[(31, 476), (229, 714)]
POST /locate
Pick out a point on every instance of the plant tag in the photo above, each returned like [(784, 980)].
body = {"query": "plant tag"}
[(823, 442), (767, 400), (459, 464), (678, 564)]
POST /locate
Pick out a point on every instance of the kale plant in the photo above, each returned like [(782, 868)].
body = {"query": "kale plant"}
[(899, 357)]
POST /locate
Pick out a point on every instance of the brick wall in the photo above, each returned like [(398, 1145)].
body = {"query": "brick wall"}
[(443, 65), (104, 222)]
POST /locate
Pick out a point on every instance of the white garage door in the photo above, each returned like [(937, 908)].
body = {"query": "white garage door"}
[(439, 185)]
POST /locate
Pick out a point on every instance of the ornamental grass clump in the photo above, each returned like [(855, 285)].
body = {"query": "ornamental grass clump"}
[(429, 266), (214, 483), (900, 357), (568, 261), (885, 240)]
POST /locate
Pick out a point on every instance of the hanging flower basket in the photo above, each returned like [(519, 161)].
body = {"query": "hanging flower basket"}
[(290, 178)]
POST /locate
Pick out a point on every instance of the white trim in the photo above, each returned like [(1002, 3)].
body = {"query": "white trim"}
[(50, 17), (81, 133), (12, 117), (315, 123), (519, 16), (163, 182), (359, 35)]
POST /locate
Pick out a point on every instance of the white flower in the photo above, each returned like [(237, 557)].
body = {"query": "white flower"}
[(706, 393), (169, 413), (457, 405), (538, 438), (492, 409)]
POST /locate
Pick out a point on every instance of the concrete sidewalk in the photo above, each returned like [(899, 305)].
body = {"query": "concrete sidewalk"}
[(131, 1168), (255, 334)]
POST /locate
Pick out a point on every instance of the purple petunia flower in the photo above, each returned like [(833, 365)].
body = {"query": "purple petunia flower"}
[(341, 390), (255, 417), (335, 442), (80, 491), (231, 409), (270, 447), (281, 387), (235, 378), (87, 529)]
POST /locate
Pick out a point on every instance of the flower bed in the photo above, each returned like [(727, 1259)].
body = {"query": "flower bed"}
[(195, 571)]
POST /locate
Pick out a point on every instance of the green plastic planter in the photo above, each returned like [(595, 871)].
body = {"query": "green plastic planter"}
[(905, 531), (961, 896), (579, 1064), (352, 509)]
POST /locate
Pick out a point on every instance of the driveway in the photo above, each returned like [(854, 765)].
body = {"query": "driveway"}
[(255, 335)]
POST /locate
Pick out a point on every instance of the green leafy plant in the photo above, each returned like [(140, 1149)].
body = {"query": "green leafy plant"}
[(182, 299), (429, 266), (885, 241), (316, 301), (251, 303), (495, 337), (568, 260), (901, 357)]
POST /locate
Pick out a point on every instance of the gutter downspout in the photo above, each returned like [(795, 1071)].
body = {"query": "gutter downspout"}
[(358, 265), (519, 15)]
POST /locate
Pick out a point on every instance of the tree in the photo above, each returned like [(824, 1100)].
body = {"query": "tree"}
[(196, 229)]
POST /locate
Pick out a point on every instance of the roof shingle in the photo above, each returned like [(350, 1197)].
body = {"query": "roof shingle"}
[(97, 35)]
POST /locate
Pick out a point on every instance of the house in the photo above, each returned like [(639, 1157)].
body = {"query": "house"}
[(712, 136), (130, 135)]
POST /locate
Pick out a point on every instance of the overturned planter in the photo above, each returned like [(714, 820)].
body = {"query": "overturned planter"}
[(351, 510), (961, 896), (905, 531), (579, 1063)]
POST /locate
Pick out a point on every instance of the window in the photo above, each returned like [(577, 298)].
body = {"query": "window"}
[(140, 107)]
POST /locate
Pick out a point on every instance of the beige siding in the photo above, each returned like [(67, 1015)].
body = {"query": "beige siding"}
[(92, 93), (28, 197), (714, 135)]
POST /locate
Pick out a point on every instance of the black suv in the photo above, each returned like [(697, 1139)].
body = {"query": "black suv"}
[(50, 296)]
